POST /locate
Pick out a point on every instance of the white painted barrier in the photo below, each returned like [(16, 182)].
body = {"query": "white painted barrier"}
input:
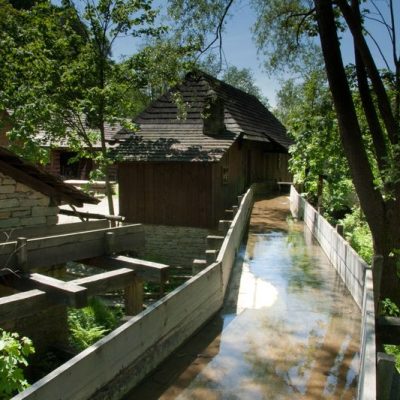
[(116, 363), (357, 276)]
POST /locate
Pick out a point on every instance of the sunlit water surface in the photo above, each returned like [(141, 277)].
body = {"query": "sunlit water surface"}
[(289, 330)]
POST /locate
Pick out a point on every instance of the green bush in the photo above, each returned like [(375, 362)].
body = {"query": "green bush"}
[(89, 324), (358, 234), (13, 355)]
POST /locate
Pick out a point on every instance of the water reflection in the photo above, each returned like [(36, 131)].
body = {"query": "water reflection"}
[(288, 330)]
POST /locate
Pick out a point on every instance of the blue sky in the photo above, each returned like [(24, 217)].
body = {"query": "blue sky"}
[(240, 50)]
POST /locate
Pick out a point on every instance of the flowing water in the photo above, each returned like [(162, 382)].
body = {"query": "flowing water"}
[(289, 328)]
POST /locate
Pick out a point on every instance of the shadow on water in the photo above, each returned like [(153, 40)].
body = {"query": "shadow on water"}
[(288, 328)]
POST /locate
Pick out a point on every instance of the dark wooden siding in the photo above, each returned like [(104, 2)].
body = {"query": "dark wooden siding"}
[(266, 163), (169, 193)]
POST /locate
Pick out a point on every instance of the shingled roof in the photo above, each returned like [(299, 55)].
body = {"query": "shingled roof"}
[(41, 181), (163, 136)]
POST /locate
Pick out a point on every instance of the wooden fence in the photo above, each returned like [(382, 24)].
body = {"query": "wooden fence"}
[(116, 363)]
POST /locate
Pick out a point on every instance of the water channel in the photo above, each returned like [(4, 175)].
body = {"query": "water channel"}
[(288, 330)]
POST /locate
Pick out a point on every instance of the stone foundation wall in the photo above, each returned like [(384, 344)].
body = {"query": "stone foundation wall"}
[(174, 245), (21, 206)]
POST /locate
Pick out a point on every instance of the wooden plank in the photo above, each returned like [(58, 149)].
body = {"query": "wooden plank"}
[(44, 231), (67, 293), (147, 270), (106, 281), (388, 330), (52, 250), (88, 215), (23, 304)]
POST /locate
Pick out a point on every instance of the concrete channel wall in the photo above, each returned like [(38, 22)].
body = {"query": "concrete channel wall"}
[(116, 363), (357, 276)]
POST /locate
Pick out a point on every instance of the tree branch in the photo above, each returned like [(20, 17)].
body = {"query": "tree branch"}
[(218, 32), (355, 26)]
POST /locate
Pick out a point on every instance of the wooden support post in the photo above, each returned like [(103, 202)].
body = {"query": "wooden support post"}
[(214, 242), (340, 229), (133, 295), (22, 253), (198, 265), (109, 243), (224, 225), (211, 256), (386, 377)]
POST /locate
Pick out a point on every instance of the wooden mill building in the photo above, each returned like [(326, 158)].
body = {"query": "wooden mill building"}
[(198, 146)]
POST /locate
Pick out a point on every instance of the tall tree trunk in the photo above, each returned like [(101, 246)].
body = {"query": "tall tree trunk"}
[(380, 215)]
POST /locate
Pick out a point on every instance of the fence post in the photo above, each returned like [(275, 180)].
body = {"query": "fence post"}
[(340, 229), (386, 375), (109, 243)]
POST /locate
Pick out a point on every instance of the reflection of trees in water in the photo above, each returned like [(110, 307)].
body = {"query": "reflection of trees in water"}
[(285, 361), (304, 271), (316, 366)]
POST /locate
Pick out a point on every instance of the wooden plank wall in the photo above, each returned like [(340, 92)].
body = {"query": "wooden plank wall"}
[(268, 163), (122, 358), (166, 193), (225, 193)]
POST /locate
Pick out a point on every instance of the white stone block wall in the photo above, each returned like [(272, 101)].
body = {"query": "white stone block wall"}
[(21, 206), (174, 245)]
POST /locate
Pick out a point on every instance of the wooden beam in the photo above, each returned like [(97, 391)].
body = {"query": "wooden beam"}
[(214, 242), (147, 270), (23, 304), (44, 231), (88, 215), (111, 280), (53, 250), (60, 292), (388, 330)]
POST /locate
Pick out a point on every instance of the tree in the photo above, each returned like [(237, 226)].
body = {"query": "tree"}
[(286, 31), (71, 85), (317, 160)]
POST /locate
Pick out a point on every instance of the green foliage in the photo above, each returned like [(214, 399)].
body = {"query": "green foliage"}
[(395, 351), (307, 111), (389, 308), (392, 310), (13, 355), (358, 234), (89, 324)]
